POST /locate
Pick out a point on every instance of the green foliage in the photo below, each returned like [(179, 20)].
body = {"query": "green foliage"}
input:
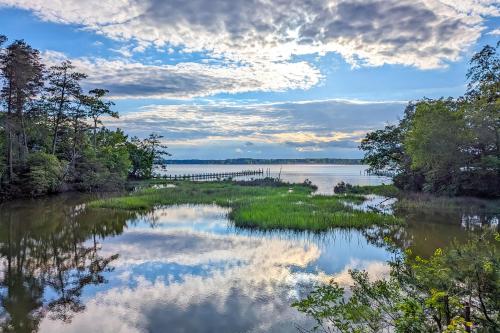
[(435, 143), (47, 111), (383, 148), (447, 146), (45, 173), (342, 187), (385, 190), (283, 206), (144, 154), (454, 289)]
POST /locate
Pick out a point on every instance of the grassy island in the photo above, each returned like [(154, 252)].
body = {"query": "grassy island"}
[(261, 204)]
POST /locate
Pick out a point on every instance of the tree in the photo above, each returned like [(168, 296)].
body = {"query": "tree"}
[(455, 290), (484, 74), (45, 173), (98, 108), (107, 166), (22, 73), (383, 148), (435, 143), (144, 154), (482, 112), (63, 90), (447, 146), (51, 133)]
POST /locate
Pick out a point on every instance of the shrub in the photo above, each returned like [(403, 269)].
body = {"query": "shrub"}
[(45, 173), (342, 188)]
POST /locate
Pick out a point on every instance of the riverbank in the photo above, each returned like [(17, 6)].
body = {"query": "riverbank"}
[(263, 204), (418, 200)]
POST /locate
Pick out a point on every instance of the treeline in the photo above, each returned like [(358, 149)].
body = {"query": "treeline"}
[(269, 161), (447, 146), (51, 133)]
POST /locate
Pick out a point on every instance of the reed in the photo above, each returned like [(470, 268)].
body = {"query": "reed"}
[(271, 206)]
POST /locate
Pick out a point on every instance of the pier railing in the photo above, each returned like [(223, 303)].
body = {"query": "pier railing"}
[(214, 175)]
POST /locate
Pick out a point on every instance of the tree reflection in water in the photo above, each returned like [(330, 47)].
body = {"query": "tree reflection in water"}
[(49, 252), (425, 230)]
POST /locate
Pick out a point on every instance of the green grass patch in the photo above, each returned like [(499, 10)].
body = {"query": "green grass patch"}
[(390, 190), (268, 205)]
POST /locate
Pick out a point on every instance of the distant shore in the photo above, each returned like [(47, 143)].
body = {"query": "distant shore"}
[(348, 161)]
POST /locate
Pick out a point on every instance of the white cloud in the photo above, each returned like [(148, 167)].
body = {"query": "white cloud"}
[(127, 79), (495, 32), (304, 126), (421, 33)]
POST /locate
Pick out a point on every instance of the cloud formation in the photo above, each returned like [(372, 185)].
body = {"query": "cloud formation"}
[(127, 79), (307, 126), (422, 33)]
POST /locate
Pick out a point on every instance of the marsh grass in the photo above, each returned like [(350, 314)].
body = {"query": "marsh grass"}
[(386, 190), (269, 206)]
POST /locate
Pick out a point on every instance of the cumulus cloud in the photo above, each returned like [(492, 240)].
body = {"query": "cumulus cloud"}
[(300, 126), (495, 32), (127, 79), (421, 33)]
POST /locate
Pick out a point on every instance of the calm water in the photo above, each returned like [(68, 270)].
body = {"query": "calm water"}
[(65, 268), (324, 176)]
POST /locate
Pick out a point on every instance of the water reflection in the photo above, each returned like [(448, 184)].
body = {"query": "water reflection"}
[(65, 268), (46, 263)]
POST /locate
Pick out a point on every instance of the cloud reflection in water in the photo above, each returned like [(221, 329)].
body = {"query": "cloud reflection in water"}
[(186, 269)]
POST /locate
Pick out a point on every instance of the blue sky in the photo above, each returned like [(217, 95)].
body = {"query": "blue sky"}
[(254, 78)]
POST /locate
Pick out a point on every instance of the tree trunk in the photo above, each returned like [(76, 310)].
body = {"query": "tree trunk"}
[(54, 138), (11, 168), (21, 130), (467, 317), (59, 116), (9, 134), (95, 133)]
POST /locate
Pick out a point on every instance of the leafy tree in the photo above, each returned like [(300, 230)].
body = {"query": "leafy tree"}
[(144, 154), (106, 167), (435, 142), (482, 112), (384, 149), (99, 108), (484, 74), (22, 75), (447, 146), (45, 173), (51, 133), (63, 90), (455, 290)]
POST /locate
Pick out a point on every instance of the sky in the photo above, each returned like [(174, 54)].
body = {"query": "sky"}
[(259, 78)]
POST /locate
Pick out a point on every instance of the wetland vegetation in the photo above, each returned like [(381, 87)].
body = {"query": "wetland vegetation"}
[(442, 153), (266, 204)]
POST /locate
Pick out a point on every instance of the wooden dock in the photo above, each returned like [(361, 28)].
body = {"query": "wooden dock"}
[(214, 175)]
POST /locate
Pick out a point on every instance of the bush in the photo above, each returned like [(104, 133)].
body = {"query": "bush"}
[(45, 173), (455, 290), (342, 188)]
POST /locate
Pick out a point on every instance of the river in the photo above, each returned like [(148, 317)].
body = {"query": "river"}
[(187, 268), (324, 176)]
